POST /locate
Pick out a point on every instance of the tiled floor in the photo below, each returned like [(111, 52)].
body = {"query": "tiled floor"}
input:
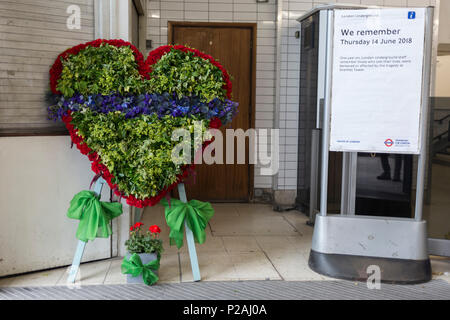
[(244, 242)]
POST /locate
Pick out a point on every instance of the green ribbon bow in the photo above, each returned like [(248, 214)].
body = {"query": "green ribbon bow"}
[(94, 215), (135, 267), (195, 213)]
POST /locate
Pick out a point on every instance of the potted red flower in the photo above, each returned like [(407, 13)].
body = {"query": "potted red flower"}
[(141, 263)]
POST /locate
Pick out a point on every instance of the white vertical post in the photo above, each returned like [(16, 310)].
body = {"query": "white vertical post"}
[(81, 244), (315, 142), (424, 116), (326, 118), (190, 239)]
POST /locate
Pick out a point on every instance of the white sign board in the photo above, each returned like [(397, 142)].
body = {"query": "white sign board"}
[(377, 80)]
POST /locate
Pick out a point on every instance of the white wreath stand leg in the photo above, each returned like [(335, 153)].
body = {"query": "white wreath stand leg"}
[(190, 239), (81, 244), (189, 236)]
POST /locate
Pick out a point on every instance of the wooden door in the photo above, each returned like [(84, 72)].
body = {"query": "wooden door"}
[(231, 45)]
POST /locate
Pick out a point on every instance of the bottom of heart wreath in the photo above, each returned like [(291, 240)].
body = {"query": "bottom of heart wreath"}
[(98, 164)]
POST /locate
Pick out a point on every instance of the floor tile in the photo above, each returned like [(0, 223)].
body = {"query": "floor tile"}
[(169, 271), (251, 225), (301, 243), (240, 244), (114, 274), (225, 209), (298, 220), (212, 244), (169, 249), (89, 273), (440, 267), (213, 267), (293, 266), (253, 266), (42, 278), (273, 243), (246, 209), (172, 248)]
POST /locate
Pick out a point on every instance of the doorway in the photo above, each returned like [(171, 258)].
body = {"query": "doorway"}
[(134, 25), (232, 45), (138, 24)]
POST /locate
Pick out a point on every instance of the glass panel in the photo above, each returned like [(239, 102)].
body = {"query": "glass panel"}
[(383, 185), (308, 105), (437, 210)]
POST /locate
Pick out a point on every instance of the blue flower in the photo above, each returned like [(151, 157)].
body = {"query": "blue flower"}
[(149, 103)]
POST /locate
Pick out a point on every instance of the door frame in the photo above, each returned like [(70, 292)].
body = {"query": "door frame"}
[(252, 26), (141, 8)]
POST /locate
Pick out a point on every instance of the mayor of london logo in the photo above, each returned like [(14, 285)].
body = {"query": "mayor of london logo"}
[(388, 143)]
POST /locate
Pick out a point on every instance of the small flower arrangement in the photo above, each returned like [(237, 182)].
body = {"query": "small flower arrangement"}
[(144, 253), (148, 242)]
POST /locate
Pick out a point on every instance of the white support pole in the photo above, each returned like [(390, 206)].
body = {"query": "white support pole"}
[(190, 239), (81, 244), (421, 167), (326, 118)]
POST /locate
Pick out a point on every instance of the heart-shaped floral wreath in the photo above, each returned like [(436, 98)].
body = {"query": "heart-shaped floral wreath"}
[(121, 110)]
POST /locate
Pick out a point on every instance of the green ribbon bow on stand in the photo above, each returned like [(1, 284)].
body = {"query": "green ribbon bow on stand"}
[(94, 215), (135, 267), (196, 213)]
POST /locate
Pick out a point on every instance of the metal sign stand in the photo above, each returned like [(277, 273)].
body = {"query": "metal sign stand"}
[(345, 245)]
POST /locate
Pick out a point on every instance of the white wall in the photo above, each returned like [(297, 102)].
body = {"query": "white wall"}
[(442, 84), (38, 178), (444, 22)]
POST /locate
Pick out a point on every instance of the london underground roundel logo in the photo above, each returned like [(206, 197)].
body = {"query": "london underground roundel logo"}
[(388, 143)]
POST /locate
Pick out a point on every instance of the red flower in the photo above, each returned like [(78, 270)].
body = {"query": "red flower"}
[(215, 123), (84, 149), (131, 228), (137, 225), (154, 229), (93, 156)]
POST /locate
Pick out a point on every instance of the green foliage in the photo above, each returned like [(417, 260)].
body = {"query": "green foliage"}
[(143, 243), (101, 70), (185, 74), (137, 151)]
